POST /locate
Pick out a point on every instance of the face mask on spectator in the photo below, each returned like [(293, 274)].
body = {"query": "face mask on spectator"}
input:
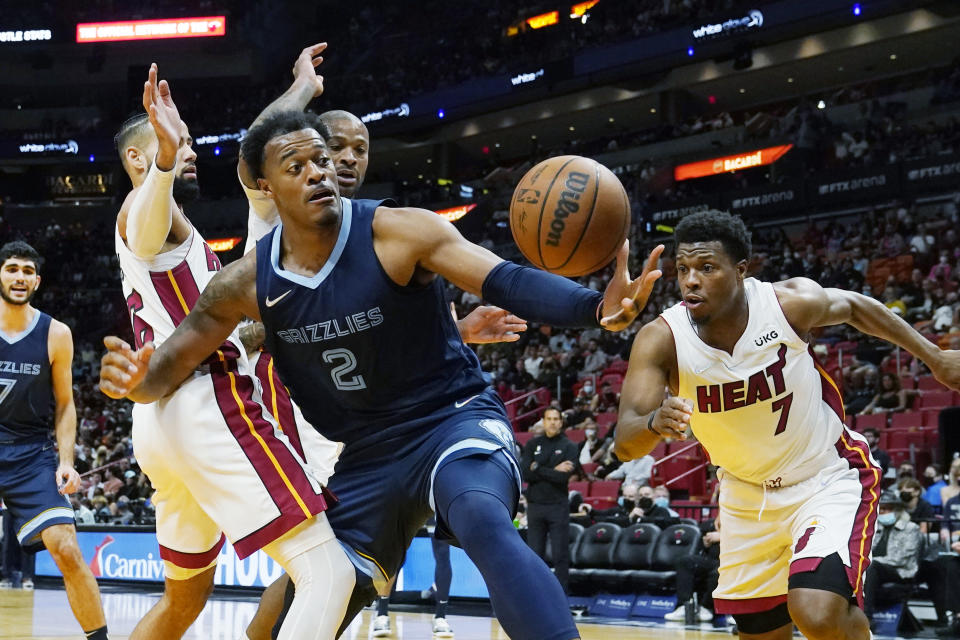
[(662, 502), (887, 519), (588, 389), (927, 481), (906, 496), (645, 503), (627, 504), (590, 433)]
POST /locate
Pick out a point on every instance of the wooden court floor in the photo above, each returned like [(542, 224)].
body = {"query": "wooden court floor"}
[(45, 615)]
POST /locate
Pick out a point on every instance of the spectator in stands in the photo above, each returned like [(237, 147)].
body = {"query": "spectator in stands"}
[(622, 513), (896, 550), (953, 483), (604, 457), (590, 445), (594, 359), (933, 481), (547, 463), (882, 457), (857, 392), (636, 471), (919, 509), (576, 418), (698, 574), (661, 498), (82, 512), (889, 395)]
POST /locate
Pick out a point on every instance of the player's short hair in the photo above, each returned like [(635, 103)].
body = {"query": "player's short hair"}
[(278, 124), (22, 250), (132, 131), (719, 226)]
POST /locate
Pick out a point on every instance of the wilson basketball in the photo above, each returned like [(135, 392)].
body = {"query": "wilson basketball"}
[(569, 215)]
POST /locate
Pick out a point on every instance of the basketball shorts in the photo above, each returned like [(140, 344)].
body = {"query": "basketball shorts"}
[(220, 464), (768, 533), (28, 488), (384, 500)]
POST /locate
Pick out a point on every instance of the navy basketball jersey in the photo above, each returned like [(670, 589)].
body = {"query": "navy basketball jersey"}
[(366, 359), (26, 393)]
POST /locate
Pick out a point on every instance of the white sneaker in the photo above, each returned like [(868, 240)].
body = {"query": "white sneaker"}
[(704, 615), (381, 627), (28, 584), (441, 628), (678, 614)]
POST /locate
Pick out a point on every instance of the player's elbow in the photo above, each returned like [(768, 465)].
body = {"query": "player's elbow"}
[(142, 246)]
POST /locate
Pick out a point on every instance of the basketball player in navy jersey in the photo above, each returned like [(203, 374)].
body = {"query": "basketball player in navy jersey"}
[(358, 327), (349, 148), (36, 357), (798, 490)]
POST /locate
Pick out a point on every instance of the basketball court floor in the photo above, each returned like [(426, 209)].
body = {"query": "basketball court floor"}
[(44, 614)]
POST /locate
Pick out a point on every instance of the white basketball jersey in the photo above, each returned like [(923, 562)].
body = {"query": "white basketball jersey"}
[(768, 411), (162, 291)]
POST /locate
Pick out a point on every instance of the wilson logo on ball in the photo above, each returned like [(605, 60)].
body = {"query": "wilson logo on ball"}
[(568, 204)]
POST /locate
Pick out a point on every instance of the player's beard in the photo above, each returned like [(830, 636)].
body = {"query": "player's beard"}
[(185, 190), (6, 297)]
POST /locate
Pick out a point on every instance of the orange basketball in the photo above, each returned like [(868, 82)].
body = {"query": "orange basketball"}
[(569, 215)]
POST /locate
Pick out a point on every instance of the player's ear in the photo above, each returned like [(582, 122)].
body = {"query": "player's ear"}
[(742, 269), (264, 186), (136, 158)]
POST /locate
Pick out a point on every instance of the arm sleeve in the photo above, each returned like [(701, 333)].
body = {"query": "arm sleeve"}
[(150, 217), (538, 296)]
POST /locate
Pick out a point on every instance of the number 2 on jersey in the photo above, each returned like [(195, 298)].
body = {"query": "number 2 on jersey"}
[(783, 406), (339, 373)]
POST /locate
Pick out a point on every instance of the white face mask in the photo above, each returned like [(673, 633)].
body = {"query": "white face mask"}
[(590, 433), (587, 389), (887, 519)]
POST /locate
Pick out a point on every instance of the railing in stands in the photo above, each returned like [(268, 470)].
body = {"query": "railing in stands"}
[(524, 396), (520, 417)]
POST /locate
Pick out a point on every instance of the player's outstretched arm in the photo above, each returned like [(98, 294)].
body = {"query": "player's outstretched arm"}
[(646, 415), (149, 212), (61, 375), (307, 85), (408, 239), (808, 305), (145, 376)]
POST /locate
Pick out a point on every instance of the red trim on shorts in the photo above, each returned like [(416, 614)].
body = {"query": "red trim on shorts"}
[(287, 498), (183, 286), (748, 605), (803, 565), (829, 389), (200, 560), (283, 411), (857, 455)]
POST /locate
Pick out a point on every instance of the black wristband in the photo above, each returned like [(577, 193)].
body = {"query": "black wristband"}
[(650, 424)]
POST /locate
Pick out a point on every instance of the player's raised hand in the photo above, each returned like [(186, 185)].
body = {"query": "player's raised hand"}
[(165, 118), (672, 419), (487, 324), (122, 368), (946, 369), (625, 298), (304, 69), (68, 480)]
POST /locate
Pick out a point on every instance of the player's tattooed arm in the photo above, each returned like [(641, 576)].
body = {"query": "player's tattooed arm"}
[(646, 414), (252, 336), (807, 305), (145, 376), (307, 85)]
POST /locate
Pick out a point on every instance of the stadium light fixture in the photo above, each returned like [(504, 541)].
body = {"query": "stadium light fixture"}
[(857, 9)]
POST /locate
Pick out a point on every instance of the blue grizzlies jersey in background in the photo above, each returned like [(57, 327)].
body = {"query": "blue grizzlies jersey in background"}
[(26, 393), (368, 361)]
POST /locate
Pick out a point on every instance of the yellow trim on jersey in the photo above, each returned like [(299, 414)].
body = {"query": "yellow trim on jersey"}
[(866, 517), (826, 376), (176, 289), (374, 561), (266, 449), (273, 394)]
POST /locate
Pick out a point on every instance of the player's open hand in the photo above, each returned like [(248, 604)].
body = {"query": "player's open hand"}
[(165, 118), (122, 368), (305, 68), (672, 419), (624, 298), (487, 324), (946, 369), (68, 480)]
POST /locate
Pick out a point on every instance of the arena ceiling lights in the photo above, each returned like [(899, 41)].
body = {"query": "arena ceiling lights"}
[(203, 27), (715, 166), (577, 12)]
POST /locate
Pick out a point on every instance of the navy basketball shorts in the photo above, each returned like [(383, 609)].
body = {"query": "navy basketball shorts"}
[(28, 487), (385, 500)]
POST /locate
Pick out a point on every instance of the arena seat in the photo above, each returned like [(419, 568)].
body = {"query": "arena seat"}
[(606, 419), (576, 531), (906, 419), (673, 543), (589, 467), (631, 553), (601, 502), (936, 399), (908, 382), (522, 437), (605, 488), (617, 366), (579, 485), (929, 383), (576, 436), (871, 421), (593, 552)]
